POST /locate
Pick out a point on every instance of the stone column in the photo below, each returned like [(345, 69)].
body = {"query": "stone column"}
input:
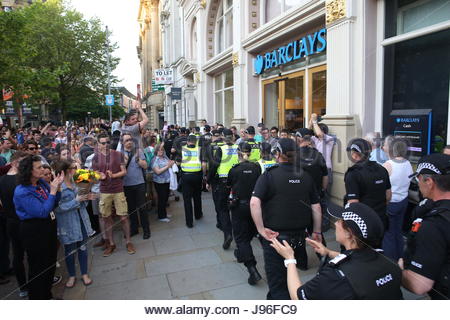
[(340, 117), (240, 70)]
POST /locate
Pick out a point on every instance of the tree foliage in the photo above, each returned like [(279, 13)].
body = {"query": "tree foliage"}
[(54, 55)]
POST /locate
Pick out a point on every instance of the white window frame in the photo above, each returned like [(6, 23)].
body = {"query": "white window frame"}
[(222, 93), (228, 10), (283, 10)]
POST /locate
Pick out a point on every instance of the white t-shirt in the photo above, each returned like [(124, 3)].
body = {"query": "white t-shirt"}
[(401, 170)]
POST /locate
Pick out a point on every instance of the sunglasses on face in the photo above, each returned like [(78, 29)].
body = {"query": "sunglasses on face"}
[(32, 149), (104, 142)]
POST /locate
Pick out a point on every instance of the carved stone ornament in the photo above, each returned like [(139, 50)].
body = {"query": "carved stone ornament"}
[(202, 3), (196, 77), (235, 59), (336, 9)]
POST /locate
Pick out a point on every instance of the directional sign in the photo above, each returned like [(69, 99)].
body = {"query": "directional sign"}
[(109, 100)]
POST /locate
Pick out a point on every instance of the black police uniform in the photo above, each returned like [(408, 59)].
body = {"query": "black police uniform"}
[(242, 179), (286, 195), (428, 249), (355, 274), (367, 181), (178, 143), (192, 190), (220, 189), (213, 163), (312, 161)]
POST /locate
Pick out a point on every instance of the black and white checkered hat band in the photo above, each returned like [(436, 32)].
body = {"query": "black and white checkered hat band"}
[(354, 146), (356, 219), (429, 166)]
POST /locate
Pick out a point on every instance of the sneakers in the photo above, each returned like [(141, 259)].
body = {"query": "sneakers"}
[(164, 220), (56, 280), (130, 248), (109, 250), (23, 293)]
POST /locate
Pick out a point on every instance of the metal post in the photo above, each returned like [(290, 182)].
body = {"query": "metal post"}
[(109, 72)]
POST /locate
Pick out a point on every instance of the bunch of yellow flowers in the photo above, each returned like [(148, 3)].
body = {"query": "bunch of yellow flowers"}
[(83, 175)]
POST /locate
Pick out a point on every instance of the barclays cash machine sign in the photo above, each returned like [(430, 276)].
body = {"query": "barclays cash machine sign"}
[(311, 44)]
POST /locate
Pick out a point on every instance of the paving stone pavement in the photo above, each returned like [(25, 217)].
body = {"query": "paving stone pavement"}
[(175, 263)]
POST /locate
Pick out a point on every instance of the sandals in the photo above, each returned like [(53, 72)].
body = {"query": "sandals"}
[(70, 286), (87, 283)]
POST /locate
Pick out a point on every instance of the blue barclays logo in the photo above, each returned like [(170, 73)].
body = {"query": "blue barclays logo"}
[(311, 44), (407, 120)]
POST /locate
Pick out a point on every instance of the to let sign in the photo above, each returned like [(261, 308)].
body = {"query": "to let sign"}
[(163, 76)]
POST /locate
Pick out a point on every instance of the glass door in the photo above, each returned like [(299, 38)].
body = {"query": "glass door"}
[(318, 90), (294, 101), (283, 101)]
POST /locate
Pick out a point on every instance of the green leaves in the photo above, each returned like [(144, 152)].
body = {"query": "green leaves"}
[(51, 53)]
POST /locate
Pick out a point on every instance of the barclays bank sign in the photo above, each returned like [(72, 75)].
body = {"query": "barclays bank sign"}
[(306, 46)]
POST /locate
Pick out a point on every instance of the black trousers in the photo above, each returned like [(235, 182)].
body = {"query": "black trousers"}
[(135, 199), (39, 239), (4, 246), (276, 272), (244, 230), (163, 191), (220, 196), (192, 189), (13, 227)]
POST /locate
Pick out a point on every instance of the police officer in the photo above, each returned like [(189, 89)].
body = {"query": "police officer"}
[(427, 257), (192, 167), (267, 160), (241, 180), (358, 229), (250, 139), (178, 143), (312, 161), (225, 156), (283, 205), (367, 181), (210, 149)]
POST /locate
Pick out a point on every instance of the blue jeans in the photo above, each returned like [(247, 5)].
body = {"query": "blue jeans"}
[(393, 239), (81, 248)]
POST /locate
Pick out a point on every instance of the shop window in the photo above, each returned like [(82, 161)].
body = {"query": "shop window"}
[(224, 101), (273, 8), (404, 16), (224, 26), (417, 77)]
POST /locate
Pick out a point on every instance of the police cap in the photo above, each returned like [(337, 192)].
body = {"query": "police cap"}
[(285, 145), (250, 130), (215, 133), (227, 132), (363, 221), (436, 163), (302, 132), (360, 145), (244, 147)]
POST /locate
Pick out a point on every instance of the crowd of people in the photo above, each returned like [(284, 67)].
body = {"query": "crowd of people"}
[(267, 183)]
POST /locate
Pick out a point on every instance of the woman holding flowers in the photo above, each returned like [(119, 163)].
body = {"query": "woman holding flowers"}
[(74, 226)]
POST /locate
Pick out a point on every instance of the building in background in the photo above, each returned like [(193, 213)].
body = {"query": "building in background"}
[(8, 5), (128, 101), (149, 53), (360, 64)]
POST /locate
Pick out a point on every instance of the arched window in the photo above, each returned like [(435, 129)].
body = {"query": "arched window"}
[(224, 26), (273, 8)]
